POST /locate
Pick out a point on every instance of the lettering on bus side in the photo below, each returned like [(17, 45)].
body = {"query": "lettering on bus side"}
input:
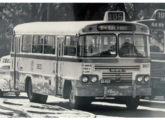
[(158, 25), (39, 66), (32, 65)]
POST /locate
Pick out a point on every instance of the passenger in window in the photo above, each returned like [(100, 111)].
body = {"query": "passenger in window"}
[(128, 49)]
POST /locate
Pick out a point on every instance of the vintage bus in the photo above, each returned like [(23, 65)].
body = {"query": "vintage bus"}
[(81, 61), (157, 47)]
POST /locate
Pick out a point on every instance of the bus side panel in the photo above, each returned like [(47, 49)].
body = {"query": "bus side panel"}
[(158, 73), (41, 72), (71, 70), (158, 78)]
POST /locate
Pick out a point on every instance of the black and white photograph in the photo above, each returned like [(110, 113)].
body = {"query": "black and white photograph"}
[(82, 60)]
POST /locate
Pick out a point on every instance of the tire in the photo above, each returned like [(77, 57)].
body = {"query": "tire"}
[(76, 102), (151, 97), (17, 94), (132, 103), (33, 97), (1, 93)]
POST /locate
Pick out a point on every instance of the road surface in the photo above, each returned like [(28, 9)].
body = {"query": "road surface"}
[(11, 106)]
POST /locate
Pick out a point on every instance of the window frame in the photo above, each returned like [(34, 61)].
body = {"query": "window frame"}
[(23, 44), (54, 45), (147, 52), (64, 45), (116, 36), (42, 51)]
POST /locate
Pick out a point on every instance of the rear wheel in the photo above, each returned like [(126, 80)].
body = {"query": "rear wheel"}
[(33, 97), (132, 103)]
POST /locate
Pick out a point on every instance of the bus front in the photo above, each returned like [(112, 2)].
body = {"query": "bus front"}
[(115, 62)]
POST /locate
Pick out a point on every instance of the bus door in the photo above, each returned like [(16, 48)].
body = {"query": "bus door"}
[(60, 40), (16, 60)]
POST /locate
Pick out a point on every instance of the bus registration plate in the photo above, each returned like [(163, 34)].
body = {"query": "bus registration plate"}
[(115, 91)]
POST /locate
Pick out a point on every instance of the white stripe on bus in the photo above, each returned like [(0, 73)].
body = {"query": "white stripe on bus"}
[(163, 61)]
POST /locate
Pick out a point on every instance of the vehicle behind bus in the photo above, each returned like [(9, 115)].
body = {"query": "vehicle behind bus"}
[(92, 59), (6, 85), (157, 47)]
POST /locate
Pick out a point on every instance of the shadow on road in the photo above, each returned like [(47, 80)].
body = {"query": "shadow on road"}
[(14, 97), (152, 104), (117, 111), (61, 104)]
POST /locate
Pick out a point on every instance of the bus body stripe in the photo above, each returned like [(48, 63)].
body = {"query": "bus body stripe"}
[(85, 60)]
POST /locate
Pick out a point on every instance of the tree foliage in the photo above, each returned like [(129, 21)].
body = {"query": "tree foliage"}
[(12, 14)]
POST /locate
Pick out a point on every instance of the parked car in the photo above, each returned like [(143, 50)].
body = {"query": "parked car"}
[(5, 79)]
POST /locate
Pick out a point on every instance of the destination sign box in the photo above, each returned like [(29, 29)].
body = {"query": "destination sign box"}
[(116, 27), (159, 14), (114, 16)]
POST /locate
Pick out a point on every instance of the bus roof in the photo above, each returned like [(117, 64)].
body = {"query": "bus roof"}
[(57, 28), (60, 28), (144, 20)]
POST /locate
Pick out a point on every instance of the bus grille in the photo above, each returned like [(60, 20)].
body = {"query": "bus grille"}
[(117, 76), (100, 67)]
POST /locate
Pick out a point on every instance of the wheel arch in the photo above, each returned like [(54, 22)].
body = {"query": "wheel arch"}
[(27, 79)]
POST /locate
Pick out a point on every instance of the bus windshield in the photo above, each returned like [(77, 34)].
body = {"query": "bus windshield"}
[(157, 41), (98, 45), (132, 45)]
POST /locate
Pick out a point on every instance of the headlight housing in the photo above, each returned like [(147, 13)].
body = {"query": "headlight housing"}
[(94, 79), (146, 79), (89, 79), (85, 79), (140, 78)]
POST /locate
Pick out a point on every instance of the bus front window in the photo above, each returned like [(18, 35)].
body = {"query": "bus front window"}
[(98, 46), (132, 45)]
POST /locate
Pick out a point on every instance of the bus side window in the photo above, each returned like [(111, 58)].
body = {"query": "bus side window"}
[(37, 46), (27, 43), (70, 44), (49, 45)]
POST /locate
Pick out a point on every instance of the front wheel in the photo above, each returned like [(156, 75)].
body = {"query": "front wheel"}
[(1, 93), (17, 94), (76, 102), (33, 97), (132, 103)]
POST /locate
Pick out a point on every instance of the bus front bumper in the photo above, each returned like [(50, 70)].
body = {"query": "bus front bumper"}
[(112, 91)]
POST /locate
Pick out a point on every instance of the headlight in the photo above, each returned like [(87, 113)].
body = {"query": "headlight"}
[(146, 78), (94, 79), (140, 78), (85, 79)]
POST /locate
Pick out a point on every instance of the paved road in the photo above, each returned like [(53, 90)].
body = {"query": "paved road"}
[(11, 106)]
